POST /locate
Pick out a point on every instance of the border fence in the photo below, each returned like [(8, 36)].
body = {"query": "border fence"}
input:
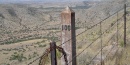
[(98, 37)]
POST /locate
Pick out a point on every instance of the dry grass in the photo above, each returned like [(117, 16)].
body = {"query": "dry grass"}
[(31, 49)]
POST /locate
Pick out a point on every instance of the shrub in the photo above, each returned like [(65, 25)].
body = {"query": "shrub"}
[(58, 54), (1, 15), (32, 11), (121, 43), (35, 54), (5, 53), (80, 46), (29, 57), (12, 12), (43, 45), (18, 57)]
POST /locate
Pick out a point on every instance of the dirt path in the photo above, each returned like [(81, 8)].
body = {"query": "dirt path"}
[(19, 44)]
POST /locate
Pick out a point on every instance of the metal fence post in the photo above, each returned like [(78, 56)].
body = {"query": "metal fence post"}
[(117, 28), (124, 25), (53, 53), (101, 41)]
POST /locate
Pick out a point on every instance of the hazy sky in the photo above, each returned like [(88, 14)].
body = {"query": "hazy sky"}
[(41, 0)]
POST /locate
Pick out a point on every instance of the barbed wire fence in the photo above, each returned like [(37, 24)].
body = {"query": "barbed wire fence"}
[(118, 21)]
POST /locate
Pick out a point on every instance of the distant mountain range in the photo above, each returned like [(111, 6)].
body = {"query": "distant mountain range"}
[(43, 1)]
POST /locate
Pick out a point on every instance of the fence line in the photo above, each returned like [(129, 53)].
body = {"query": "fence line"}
[(95, 41), (109, 27), (100, 37), (93, 26), (96, 38), (104, 46)]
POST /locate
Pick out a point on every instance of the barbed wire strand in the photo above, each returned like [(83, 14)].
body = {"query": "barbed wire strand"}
[(104, 46), (100, 50), (93, 26), (92, 43), (85, 30)]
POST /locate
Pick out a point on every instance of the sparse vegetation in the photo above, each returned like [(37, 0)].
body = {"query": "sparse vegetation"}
[(58, 54), (1, 15), (17, 56), (42, 45), (83, 59), (36, 23), (32, 10), (5, 53), (15, 40), (12, 12), (121, 43)]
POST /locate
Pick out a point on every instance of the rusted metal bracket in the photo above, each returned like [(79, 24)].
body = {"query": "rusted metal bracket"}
[(52, 50)]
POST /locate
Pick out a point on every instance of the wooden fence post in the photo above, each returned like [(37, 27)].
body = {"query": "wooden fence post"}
[(53, 53), (124, 25), (68, 36)]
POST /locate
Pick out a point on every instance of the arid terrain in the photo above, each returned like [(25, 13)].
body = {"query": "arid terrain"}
[(26, 29)]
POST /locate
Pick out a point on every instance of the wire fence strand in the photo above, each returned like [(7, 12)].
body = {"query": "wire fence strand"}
[(93, 41)]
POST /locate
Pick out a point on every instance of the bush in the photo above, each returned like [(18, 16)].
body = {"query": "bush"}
[(32, 11), (18, 57), (5, 53), (122, 43), (58, 54), (1, 15), (35, 54), (12, 12), (43, 45)]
